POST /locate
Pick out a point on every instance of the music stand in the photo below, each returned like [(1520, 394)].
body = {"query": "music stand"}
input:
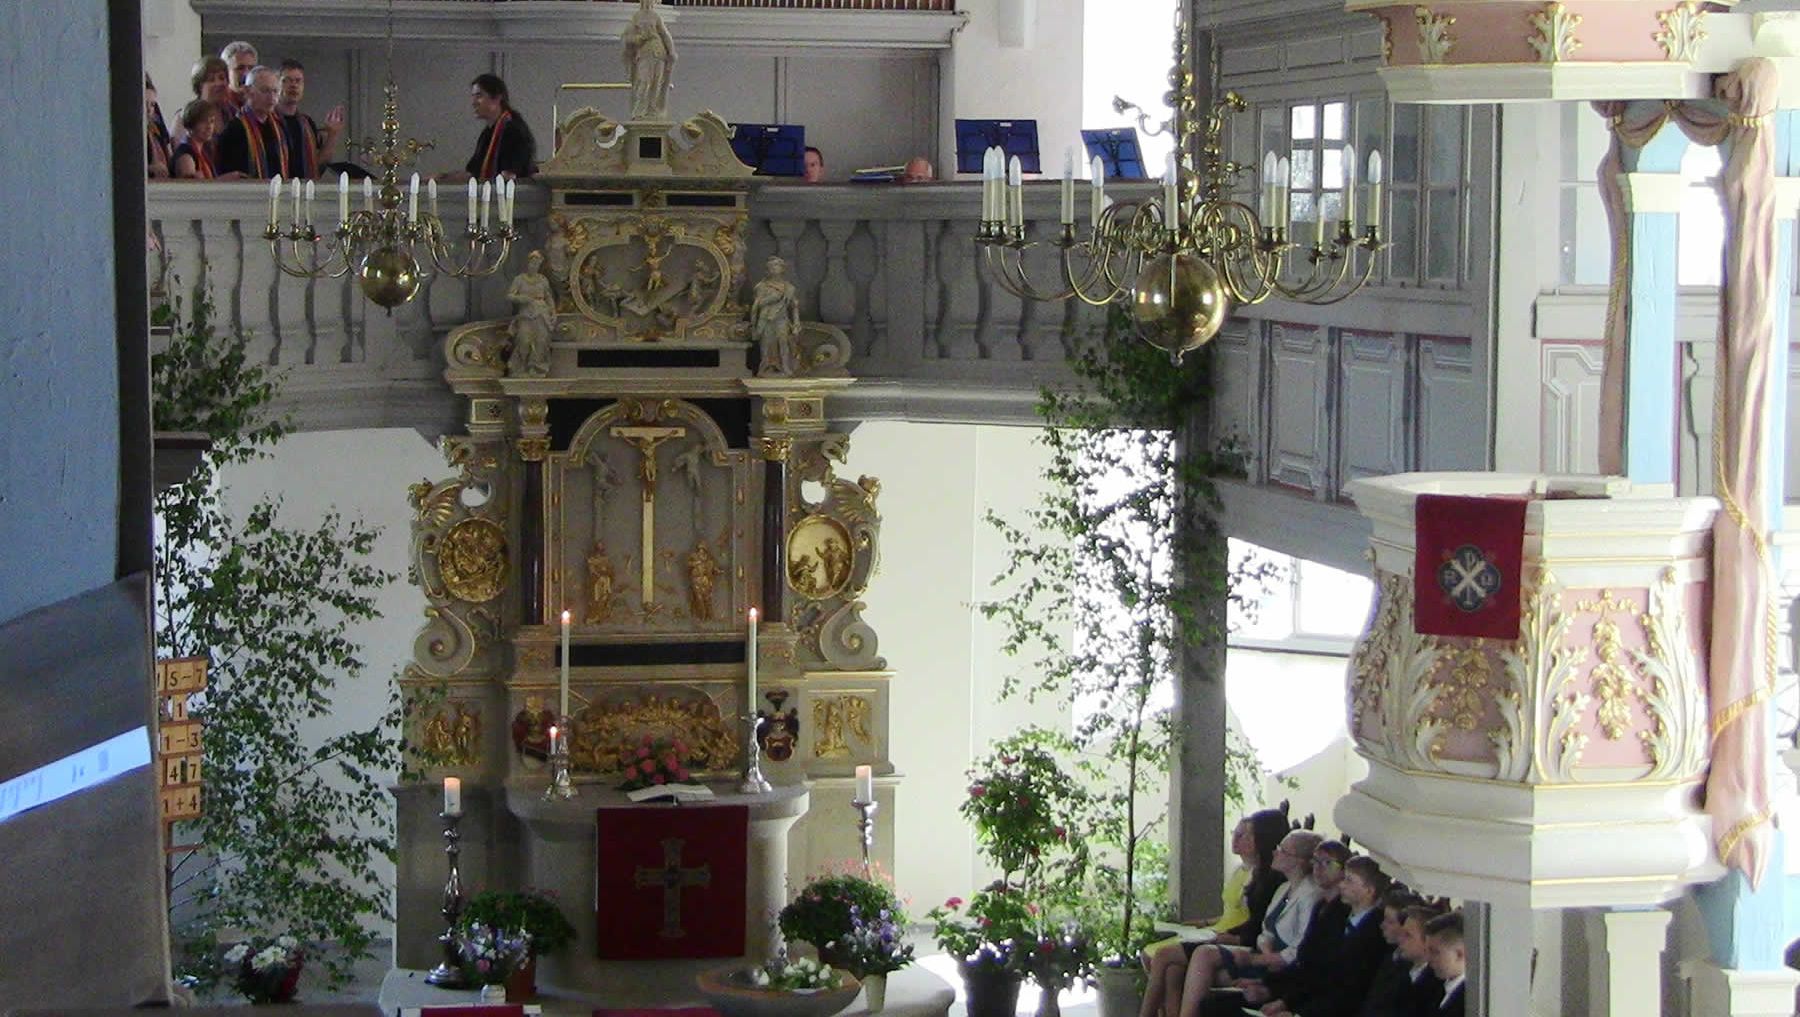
[(1017, 137), (775, 150), (1118, 151)]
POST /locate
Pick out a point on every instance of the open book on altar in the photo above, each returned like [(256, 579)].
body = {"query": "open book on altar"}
[(672, 792)]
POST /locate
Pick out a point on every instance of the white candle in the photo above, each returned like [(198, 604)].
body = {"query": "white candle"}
[(1374, 212), (343, 198), (296, 193), (1350, 185), (993, 187), (274, 201), (487, 200), (1068, 187), (1284, 209), (412, 200), (512, 199), (1015, 177), (1267, 212), (452, 796), (309, 201), (865, 784), (431, 192), (1171, 196), (750, 667), (473, 192), (563, 686), (368, 195), (1097, 192)]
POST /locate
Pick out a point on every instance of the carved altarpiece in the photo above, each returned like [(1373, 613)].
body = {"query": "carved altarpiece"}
[(653, 485)]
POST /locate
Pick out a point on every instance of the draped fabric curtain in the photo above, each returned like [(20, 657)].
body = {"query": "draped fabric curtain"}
[(1742, 652)]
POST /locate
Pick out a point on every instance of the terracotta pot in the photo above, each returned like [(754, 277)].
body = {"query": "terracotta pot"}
[(521, 985), (991, 992)]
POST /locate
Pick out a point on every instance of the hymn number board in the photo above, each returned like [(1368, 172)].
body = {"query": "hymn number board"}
[(178, 747)]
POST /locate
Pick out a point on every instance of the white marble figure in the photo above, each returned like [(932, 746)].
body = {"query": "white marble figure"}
[(535, 321), (606, 479), (775, 321), (687, 465), (650, 58)]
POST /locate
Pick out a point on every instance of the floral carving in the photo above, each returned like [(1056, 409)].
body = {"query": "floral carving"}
[(1683, 30), (1555, 38), (1672, 696), (1434, 36), (1614, 684)]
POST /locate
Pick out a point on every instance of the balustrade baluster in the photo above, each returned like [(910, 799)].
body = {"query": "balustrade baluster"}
[(959, 298), (837, 301), (863, 263)]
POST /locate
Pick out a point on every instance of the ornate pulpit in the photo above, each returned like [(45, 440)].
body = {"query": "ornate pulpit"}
[(648, 448)]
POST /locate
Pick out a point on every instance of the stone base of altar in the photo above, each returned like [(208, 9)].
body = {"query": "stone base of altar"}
[(559, 852), (914, 992)]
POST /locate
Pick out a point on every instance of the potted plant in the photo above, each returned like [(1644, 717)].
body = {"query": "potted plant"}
[(1056, 961), (533, 912), (872, 950), (490, 955), (820, 914), (264, 969), (988, 935), (779, 988)]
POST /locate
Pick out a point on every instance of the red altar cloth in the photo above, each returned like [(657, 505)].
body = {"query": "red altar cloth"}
[(1467, 573), (672, 881)]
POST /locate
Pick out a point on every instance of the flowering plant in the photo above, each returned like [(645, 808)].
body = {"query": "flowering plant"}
[(263, 969), (532, 912), (490, 953), (1022, 803), (654, 761), (1061, 957), (991, 929), (820, 913), (803, 975), (872, 946)]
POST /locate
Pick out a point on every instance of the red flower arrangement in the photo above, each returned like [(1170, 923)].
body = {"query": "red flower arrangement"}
[(654, 761)]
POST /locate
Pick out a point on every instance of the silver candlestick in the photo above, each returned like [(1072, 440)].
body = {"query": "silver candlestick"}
[(449, 974), (560, 784), (865, 827), (754, 783)]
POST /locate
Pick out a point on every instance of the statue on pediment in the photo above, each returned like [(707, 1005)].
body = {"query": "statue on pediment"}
[(775, 321), (650, 57), (535, 321)]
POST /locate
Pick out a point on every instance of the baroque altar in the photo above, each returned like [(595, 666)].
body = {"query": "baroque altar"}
[(647, 447)]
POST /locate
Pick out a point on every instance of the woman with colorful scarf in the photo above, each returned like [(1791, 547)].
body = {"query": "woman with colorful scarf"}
[(506, 147), (193, 160)]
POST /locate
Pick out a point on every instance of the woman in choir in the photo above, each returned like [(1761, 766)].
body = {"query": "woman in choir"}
[(193, 158), (505, 148)]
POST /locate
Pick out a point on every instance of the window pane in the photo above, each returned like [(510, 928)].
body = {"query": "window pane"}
[(1406, 144), (1269, 127), (1331, 203), (1332, 602), (1569, 233), (1442, 236), (1403, 264), (1371, 131), (1444, 155), (1303, 179), (1331, 168), (1302, 206), (1334, 121), (1262, 608), (1305, 122)]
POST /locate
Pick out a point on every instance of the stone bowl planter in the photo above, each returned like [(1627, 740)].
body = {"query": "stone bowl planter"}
[(730, 991)]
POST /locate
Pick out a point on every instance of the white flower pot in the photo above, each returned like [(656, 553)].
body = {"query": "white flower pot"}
[(875, 992), (493, 993)]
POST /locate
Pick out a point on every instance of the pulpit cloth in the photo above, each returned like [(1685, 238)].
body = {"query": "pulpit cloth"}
[(671, 881), (1469, 556), (1744, 629)]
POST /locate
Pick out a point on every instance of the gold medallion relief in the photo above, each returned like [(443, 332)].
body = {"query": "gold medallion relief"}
[(472, 560), (819, 557)]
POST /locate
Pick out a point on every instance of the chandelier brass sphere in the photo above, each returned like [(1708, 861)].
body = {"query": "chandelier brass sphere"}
[(388, 276), (1179, 302)]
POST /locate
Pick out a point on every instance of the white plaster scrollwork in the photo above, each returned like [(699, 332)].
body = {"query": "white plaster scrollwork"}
[(1554, 38), (1542, 669), (1683, 30), (1674, 699), (847, 642)]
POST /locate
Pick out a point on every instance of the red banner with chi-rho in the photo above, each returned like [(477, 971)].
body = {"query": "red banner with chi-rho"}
[(1467, 573), (672, 881)]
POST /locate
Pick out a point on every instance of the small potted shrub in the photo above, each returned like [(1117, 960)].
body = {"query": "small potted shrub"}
[(265, 969), (1056, 961), (989, 936), (820, 913), (491, 955), (873, 950), (533, 912)]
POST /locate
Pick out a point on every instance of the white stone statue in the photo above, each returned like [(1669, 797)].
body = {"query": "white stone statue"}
[(775, 321), (535, 321), (650, 58)]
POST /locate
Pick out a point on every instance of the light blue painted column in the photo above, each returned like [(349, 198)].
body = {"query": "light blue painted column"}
[(1653, 189)]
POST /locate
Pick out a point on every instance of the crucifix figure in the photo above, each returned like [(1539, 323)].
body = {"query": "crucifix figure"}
[(672, 878), (645, 440)]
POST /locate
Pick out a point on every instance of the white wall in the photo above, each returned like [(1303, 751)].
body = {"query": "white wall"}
[(171, 48), (358, 474), (993, 76)]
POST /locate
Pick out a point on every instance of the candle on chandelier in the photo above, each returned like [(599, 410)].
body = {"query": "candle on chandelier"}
[(295, 190), (1097, 190), (1171, 196), (412, 200), (368, 194), (563, 682), (1375, 188), (750, 667), (1284, 208), (512, 201), (309, 201), (865, 784), (452, 796), (487, 200), (1068, 187), (1015, 178), (1267, 212), (274, 201), (473, 193), (993, 188), (1350, 186), (343, 198), (431, 193)]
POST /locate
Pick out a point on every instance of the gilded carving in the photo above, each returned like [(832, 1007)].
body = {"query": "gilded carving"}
[(601, 594), (1434, 36), (1614, 684), (818, 557), (472, 560), (1678, 737), (1462, 686), (602, 731), (833, 717), (773, 449), (1554, 38), (532, 450), (703, 573), (1683, 30), (452, 735)]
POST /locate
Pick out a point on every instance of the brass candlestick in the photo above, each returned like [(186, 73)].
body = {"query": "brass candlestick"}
[(449, 974)]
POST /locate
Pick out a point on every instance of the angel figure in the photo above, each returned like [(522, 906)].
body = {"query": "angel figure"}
[(650, 58), (600, 585), (533, 324)]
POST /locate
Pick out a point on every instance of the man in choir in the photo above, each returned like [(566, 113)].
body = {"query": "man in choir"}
[(240, 57), (812, 165), (158, 149), (505, 148), (918, 171), (309, 147), (255, 144)]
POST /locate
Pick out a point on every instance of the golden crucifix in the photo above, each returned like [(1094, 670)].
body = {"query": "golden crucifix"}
[(645, 440)]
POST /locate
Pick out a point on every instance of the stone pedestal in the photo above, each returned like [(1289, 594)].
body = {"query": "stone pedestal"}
[(560, 849), (1625, 969), (1717, 991)]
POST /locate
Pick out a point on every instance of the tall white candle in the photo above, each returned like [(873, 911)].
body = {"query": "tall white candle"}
[(1015, 178), (487, 200), (274, 201), (309, 201), (431, 193), (473, 191), (865, 784), (368, 194), (563, 686), (343, 197), (750, 667), (295, 191), (452, 796), (1350, 185), (412, 199), (993, 184), (512, 199), (1097, 191), (1068, 186), (1171, 196), (1284, 209), (1267, 213), (1374, 212)]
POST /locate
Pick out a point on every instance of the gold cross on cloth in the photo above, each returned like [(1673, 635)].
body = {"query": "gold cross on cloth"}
[(645, 440), (672, 878)]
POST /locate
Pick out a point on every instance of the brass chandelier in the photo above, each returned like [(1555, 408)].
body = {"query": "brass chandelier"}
[(378, 241), (1184, 259)]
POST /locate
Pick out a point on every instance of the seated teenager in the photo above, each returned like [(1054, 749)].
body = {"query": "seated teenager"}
[(1449, 960), (1393, 978), (1423, 989), (1283, 927), (1323, 932), (1337, 986), (1247, 893)]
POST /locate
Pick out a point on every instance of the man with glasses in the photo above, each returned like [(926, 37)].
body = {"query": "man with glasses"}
[(254, 144)]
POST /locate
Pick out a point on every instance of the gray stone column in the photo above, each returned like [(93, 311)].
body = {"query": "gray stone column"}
[(1197, 783)]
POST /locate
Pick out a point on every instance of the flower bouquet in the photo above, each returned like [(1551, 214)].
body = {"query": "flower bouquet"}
[(779, 988), (872, 950), (490, 953), (265, 970), (804, 975), (654, 762), (821, 913)]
